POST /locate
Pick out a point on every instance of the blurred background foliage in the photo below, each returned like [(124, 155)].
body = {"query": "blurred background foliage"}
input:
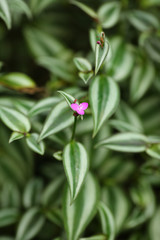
[(38, 41)]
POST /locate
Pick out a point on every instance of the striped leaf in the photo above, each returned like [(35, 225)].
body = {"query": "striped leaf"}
[(85, 76), (20, 6), (154, 151), (76, 166), (121, 63), (59, 118), (58, 67), (152, 47), (5, 13), (78, 215), (43, 105), (127, 114), (125, 142), (142, 77), (144, 199), (104, 99), (51, 192), (30, 224), (69, 98), (32, 142), (32, 193), (93, 38), (82, 64), (143, 21), (8, 216), (14, 120), (117, 202), (15, 136), (100, 55), (154, 229), (107, 221), (109, 14)]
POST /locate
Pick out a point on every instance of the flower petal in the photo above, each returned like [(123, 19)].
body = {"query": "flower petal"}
[(80, 112), (74, 106), (84, 105)]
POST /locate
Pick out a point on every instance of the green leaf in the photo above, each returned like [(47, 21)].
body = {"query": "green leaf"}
[(122, 126), (85, 76), (152, 47), (23, 105), (154, 151), (118, 203), (97, 237), (51, 192), (78, 215), (93, 38), (15, 136), (59, 118), (107, 221), (127, 115), (142, 77), (143, 197), (104, 99), (39, 6), (6, 238), (122, 60), (43, 106), (100, 54), (150, 3), (33, 144), (8, 216), (30, 224), (82, 64), (154, 229), (1, 65), (109, 14), (58, 155), (55, 216), (86, 9), (58, 67), (125, 142), (5, 13), (148, 110), (17, 81), (143, 21), (20, 6), (14, 120), (32, 193), (42, 43), (69, 98), (76, 164)]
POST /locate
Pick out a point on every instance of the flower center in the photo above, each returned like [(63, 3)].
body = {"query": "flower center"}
[(80, 107)]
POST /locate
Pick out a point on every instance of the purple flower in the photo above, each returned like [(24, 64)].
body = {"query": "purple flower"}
[(79, 108)]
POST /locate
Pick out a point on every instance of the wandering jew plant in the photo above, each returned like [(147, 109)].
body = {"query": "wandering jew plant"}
[(79, 120)]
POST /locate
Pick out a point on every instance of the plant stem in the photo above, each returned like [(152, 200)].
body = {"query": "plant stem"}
[(74, 127)]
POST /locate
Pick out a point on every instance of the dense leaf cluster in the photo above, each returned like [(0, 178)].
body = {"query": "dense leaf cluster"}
[(65, 175)]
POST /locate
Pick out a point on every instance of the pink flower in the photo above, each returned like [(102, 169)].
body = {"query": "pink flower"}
[(98, 42), (79, 108)]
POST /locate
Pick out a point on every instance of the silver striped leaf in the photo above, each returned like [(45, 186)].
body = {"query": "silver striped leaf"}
[(107, 221), (104, 99), (76, 164), (78, 215)]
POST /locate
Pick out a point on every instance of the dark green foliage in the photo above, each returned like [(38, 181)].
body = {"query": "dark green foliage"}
[(65, 175)]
